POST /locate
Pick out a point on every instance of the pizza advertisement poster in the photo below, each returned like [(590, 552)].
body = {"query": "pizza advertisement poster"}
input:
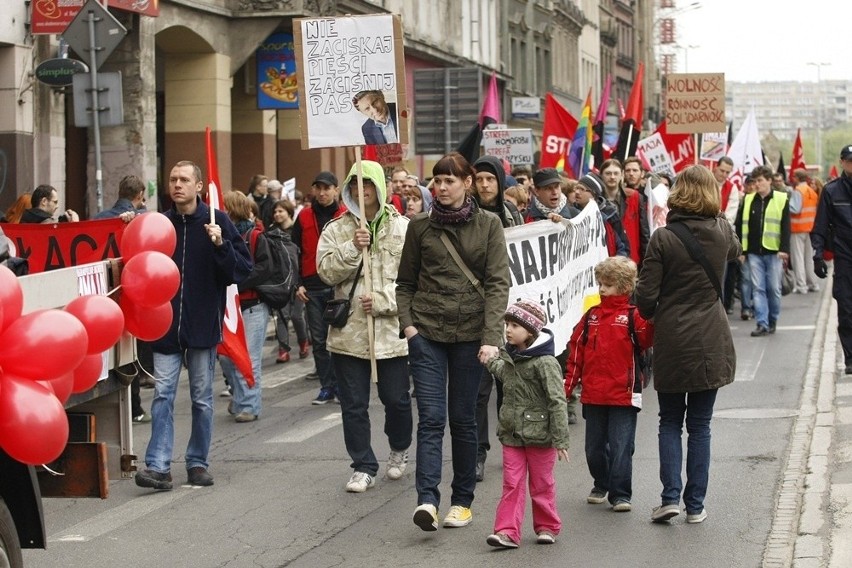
[(276, 73), (351, 81)]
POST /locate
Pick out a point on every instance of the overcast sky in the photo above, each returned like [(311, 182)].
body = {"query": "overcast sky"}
[(756, 40)]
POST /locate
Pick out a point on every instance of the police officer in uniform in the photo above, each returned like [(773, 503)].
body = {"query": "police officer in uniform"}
[(833, 232)]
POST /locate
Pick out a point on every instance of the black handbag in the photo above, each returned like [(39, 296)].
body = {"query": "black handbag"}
[(336, 312)]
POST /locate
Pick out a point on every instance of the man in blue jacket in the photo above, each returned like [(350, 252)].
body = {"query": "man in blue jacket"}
[(209, 256)]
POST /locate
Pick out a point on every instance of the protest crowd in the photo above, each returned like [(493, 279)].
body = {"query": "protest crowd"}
[(415, 284)]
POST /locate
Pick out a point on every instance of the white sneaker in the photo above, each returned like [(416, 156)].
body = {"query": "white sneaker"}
[(397, 462), (360, 482), (426, 517), (226, 393)]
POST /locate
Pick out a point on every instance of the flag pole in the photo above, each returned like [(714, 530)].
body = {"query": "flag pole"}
[(695, 145), (368, 284), (629, 136)]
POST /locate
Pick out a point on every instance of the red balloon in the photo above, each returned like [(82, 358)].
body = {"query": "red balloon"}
[(60, 386), (11, 298), (150, 279), (102, 318), (33, 423), (88, 372), (147, 324), (151, 231), (43, 345)]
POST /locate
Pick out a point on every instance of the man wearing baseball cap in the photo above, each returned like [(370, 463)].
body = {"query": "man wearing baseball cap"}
[(312, 290), (548, 201), (832, 231)]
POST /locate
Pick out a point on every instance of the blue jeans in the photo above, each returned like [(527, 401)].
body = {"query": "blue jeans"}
[(766, 284), (610, 441), (440, 395), (247, 399), (200, 364), (746, 289), (353, 390), (698, 408), (319, 333)]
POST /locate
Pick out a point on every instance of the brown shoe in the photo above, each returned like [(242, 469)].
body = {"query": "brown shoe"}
[(283, 356)]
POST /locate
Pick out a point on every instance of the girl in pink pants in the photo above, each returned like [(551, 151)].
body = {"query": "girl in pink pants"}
[(533, 425)]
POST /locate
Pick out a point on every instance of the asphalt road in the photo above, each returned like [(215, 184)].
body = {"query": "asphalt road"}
[(278, 498)]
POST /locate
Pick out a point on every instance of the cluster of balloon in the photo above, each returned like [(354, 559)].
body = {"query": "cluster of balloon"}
[(150, 277), (45, 356)]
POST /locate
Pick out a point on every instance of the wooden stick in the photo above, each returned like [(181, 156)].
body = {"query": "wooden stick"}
[(368, 275)]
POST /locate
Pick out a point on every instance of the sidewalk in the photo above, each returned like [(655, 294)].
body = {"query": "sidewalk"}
[(812, 526)]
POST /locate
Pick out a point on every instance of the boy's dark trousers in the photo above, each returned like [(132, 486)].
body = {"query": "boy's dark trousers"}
[(610, 441)]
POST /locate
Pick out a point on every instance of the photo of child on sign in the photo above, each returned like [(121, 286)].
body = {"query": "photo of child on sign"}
[(351, 81)]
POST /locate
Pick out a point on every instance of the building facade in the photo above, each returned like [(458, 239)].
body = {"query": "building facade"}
[(193, 66)]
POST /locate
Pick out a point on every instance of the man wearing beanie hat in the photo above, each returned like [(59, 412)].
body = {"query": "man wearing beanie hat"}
[(834, 220), (533, 425), (488, 191), (590, 187)]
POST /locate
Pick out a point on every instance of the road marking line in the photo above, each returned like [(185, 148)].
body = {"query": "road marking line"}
[(795, 327), (308, 430), (747, 371), (118, 517)]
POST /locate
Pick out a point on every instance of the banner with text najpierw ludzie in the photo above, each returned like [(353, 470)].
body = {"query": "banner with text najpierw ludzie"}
[(554, 264), (351, 79)]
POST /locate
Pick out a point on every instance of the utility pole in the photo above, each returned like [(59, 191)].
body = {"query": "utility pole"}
[(819, 67)]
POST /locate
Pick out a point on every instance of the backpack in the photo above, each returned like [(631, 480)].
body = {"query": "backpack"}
[(278, 290), (643, 359)]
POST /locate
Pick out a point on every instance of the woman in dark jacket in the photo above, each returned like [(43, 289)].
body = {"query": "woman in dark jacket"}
[(693, 349), (451, 324)]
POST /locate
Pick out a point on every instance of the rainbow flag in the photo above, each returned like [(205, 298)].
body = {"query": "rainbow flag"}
[(579, 157)]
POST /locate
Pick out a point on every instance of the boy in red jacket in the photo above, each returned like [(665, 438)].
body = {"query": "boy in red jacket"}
[(602, 355)]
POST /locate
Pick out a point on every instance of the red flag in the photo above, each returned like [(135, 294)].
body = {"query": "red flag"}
[(557, 132), (631, 126), (798, 161), (832, 173), (681, 147), (233, 332)]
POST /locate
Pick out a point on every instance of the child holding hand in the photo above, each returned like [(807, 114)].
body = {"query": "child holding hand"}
[(602, 356), (533, 425)]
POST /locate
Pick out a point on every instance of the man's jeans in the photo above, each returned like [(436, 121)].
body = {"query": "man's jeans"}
[(319, 333), (610, 441), (486, 384), (248, 399), (353, 390), (746, 289), (698, 408), (167, 366), (440, 396), (766, 284)]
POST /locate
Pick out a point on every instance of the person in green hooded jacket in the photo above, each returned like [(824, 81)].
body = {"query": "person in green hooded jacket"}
[(340, 254)]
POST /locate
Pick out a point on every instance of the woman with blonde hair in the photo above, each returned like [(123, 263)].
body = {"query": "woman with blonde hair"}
[(680, 287)]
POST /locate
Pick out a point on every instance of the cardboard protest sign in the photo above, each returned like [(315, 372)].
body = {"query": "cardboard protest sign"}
[(653, 152), (695, 102), (554, 264), (351, 81), (514, 145)]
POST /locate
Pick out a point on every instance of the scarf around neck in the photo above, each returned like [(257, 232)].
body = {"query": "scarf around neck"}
[(447, 216), (563, 201)]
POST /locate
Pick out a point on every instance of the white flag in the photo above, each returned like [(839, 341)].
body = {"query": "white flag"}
[(745, 150)]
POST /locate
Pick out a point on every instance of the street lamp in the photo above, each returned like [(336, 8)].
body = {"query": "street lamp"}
[(686, 49), (819, 67)]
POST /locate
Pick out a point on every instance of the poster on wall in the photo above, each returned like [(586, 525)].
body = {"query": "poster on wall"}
[(276, 73), (351, 81)]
